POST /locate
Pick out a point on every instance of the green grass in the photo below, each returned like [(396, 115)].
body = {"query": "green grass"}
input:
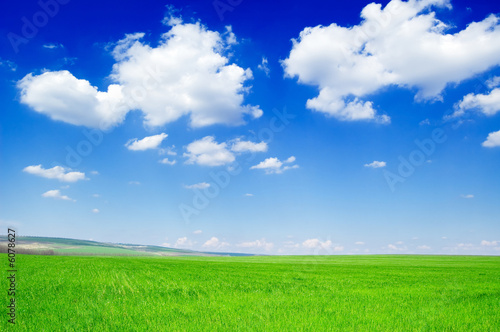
[(312, 293)]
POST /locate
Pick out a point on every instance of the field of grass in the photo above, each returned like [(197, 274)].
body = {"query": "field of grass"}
[(309, 293)]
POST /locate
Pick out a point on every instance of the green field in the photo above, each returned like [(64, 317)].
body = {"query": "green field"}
[(308, 293)]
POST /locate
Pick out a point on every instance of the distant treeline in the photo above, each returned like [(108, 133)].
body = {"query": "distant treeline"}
[(4, 250)]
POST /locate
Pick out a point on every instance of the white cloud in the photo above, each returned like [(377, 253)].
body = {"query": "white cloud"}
[(392, 247), (183, 242), (149, 142), (247, 146), (166, 161), (264, 66), (376, 164), (424, 247), (424, 122), (249, 195), (95, 210), (493, 82), (316, 244), (168, 151), (94, 173), (56, 172), (136, 183), (198, 231), (53, 46), (96, 195), (215, 243), (275, 166), (467, 196), (257, 244), (208, 152), (56, 193), (63, 97), (493, 140), (186, 74), (359, 243), (488, 104), (201, 185), (490, 243), (9, 64), (403, 44)]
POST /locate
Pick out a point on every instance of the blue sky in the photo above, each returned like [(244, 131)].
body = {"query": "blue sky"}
[(277, 128)]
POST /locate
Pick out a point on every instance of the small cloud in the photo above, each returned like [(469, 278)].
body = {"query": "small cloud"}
[(136, 183), (444, 238), (248, 195), (57, 172), (94, 173), (166, 161), (490, 243), (201, 185), (467, 196), (264, 66), (172, 17), (150, 142), (247, 146), (275, 166), (9, 64), (198, 231), (316, 244), (95, 210), (52, 46), (493, 140), (183, 242), (425, 122), (359, 243), (165, 244), (376, 164), (392, 247), (208, 152), (215, 243), (167, 151), (424, 247), (96, 195), (400, 242), (56, 194), (257, 244)]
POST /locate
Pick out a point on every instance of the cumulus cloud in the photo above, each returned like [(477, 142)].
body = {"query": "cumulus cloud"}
[(215, 243), (490, 243), (201, 185), (183, 242), (376, 164), (359, 243), (257, 244), (208, 152), (167, 161), (95, 210), (63, 97), (246, 146), (424, 247), (402, 44), (56, 172), (198, 231), (488, 104), (493, 140), (56, 193), (275, 166), (467, 196), (149, 142), (186, 74)]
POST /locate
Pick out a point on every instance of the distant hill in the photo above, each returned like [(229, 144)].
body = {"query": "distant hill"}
[(62, 246)]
